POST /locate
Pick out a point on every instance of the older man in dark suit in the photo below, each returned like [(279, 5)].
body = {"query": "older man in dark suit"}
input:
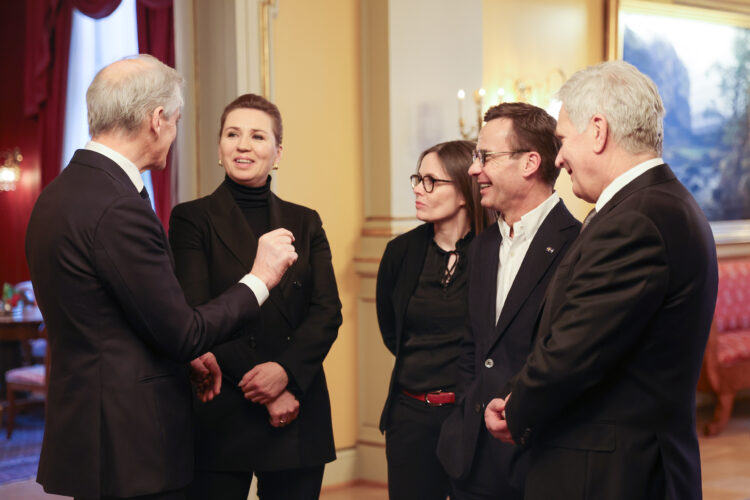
[(510, 265), (118, 412), (606, 401)]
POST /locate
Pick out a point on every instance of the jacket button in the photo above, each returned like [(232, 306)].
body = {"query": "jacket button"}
[(488, 363), (478, 408)]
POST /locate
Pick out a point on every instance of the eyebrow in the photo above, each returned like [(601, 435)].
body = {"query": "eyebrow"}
[(252, 130)]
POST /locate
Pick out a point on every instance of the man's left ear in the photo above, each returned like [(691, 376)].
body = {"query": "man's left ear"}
[(157, 120), (533, 161), (600, 131)]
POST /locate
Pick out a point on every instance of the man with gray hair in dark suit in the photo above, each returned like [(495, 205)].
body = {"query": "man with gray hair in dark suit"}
[(606, 400), (118, 421)]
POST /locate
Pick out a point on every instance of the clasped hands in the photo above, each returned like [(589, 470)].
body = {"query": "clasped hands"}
[(264, 384), (494, 419)]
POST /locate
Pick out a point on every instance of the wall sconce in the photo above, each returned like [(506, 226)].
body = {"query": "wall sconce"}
[(534, 91), (10, 170)]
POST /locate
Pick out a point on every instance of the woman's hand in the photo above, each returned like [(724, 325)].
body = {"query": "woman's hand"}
[(283, 409), (264, 382)]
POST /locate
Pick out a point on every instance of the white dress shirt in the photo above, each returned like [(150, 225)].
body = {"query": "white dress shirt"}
[(255, 284), (624, 179), (513, 249)]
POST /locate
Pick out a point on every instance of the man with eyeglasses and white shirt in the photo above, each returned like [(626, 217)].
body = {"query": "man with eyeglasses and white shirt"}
[(510, 265)]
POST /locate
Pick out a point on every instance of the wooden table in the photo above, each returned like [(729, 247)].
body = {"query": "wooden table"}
[(24, 326)]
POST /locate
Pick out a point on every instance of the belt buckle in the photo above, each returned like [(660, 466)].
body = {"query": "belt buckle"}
[(427, 398)]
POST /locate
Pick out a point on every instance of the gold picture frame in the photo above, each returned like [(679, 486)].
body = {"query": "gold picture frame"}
[(701, 164)]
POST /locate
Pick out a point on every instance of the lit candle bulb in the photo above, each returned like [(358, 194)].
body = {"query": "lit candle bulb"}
[(500, 95)]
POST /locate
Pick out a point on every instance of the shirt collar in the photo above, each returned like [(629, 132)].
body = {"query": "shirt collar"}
[(530, 222), (128, 166), (624, 179)]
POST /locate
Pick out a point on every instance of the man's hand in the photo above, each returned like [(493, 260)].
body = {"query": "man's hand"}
[(264, 382), (494, 419), (206, 376), (283, 409), (274, 256)]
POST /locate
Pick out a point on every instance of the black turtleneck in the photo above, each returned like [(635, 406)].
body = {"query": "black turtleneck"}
[(253, 202)]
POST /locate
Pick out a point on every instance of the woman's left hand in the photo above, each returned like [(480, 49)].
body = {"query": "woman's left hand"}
[(283, 409), (264, 382)]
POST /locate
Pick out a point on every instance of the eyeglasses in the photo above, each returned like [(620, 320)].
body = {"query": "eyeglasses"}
[(427, 181), (482, 155)]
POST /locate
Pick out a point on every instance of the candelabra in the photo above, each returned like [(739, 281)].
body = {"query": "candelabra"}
[(531, 90)]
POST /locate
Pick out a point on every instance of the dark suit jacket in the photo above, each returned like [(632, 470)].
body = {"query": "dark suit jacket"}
[(214, 247), (120, 332), (506, 344), (607, 398), (398, 276)]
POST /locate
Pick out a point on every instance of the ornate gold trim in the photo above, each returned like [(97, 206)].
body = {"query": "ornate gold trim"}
[(264, 9)]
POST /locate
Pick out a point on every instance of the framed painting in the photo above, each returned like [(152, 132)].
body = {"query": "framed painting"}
[(700, 60)]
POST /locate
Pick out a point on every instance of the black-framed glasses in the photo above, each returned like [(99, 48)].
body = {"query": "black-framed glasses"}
[(482, 155), (427, 181)]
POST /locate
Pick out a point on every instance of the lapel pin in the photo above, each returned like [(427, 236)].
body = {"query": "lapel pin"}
[(550, 250)]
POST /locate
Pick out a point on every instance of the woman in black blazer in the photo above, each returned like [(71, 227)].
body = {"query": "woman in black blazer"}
[(421, 306), (272, 417)]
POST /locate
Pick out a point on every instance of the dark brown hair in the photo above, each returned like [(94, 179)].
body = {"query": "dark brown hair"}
[(533, 130), (455, 156), (253, 101)]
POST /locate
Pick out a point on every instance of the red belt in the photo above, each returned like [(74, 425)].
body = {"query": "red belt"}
[(437, 398)]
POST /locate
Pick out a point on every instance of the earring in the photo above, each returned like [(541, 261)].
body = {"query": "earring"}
[(275, 166), (221, 164)]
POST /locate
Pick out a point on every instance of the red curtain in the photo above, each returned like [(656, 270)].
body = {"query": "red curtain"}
[(48, 30), (156, 37)]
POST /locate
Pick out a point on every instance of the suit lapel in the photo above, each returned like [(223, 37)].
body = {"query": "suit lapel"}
[(410, 270), (231, 227), (549, 239), (278, 217)]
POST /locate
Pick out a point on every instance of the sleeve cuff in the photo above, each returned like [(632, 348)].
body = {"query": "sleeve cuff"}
[(257, 286)]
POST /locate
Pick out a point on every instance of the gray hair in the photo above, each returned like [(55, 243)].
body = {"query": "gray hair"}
[(627, 98), (126, 92)]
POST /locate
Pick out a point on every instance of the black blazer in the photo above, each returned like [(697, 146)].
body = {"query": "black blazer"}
[(492, 354), (606, 400), (398, 276), (118, 419), (214, 247)]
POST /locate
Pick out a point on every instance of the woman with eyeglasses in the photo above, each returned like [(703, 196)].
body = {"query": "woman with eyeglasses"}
[(421, 306), (272, 417)]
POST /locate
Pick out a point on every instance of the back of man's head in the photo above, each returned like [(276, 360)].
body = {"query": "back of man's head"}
[(533, 130), (628, 99), (126, 92)]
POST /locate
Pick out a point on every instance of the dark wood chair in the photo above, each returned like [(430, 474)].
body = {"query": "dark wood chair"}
[(31, 379)]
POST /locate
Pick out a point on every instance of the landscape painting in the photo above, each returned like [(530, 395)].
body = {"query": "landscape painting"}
[(702, 68)]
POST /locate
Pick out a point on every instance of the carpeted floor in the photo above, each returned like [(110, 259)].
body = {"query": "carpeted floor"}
[(19, 455)]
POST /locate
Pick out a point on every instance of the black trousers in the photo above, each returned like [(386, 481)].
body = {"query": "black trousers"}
[(165, 495), (488, 479), (288, 484), (414, 471)]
